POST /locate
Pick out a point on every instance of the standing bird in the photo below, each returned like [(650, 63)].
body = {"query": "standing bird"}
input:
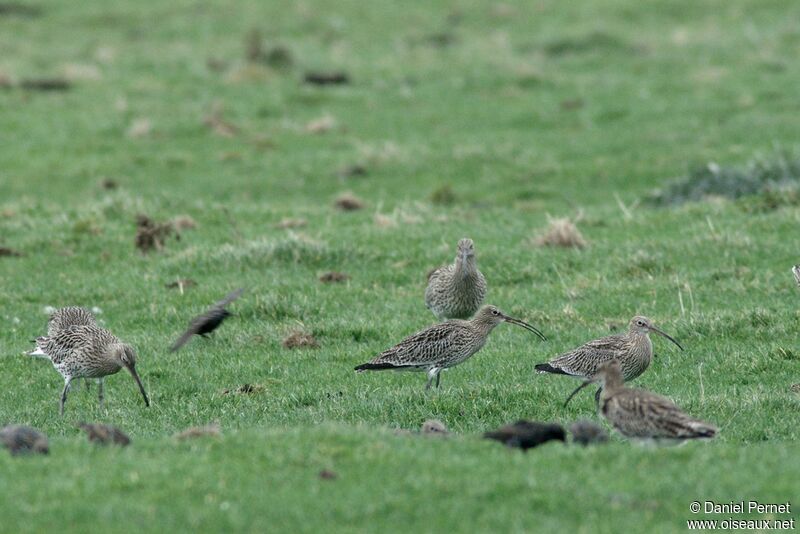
[(207, 322), (640, 414), (634, 350), (456, 291), (442, 345), (82, 351), (527, 434), (23, 439)]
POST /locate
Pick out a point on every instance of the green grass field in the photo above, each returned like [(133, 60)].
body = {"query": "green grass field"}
[(524, 111)]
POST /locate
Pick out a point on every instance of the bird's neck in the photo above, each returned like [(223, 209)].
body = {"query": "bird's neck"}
[(484, 325), (466, 268)]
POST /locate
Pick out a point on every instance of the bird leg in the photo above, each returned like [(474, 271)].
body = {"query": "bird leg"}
[(438, 376), (100, 394), (597, 397), (432, 372), (64, 396)]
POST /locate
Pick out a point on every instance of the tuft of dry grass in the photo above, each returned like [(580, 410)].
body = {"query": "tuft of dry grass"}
[(151, 235), (212, 430), (333, 277), (181, 283), (434, 427), (184, 222), (348, 202), (285, 224), (9, 252), (321, 125), (104, 434), (217, 123), (244, 389), (297, 339), (561, 233)]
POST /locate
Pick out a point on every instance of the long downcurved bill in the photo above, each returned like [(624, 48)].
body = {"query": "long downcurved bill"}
[(524, 325), (662, 333), (135, 376), (586, 383)]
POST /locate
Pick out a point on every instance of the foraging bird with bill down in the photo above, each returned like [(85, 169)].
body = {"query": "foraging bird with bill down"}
[(456, 291), (82, 351), (443, 345), (642, 415), (207, 322), (633, 349)]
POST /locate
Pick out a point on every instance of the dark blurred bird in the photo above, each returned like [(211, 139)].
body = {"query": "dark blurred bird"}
[(204, 324), (527, 434), (19, 439), (104, 434), (586, 432)]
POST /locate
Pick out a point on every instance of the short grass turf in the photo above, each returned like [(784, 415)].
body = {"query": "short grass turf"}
[(524, 111)]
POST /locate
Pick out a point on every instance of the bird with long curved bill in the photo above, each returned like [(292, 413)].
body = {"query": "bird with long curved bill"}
[(633, 349), (443, 345)]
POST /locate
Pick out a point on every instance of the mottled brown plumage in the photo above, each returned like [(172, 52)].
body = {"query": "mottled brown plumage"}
[(104, 434), (442, 345), (456, 291), (20, 439), (633, 350), (640, 414), (208, 321), (82, 351), (796, 273)]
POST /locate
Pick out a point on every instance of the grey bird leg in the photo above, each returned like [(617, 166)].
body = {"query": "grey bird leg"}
[(64, 396), (433, 371), (597, 397), (438, 376), (100, 394)]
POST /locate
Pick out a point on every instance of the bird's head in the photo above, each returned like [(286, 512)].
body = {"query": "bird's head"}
[(492, 316), (126, 356), (466, 249), (642, 325)]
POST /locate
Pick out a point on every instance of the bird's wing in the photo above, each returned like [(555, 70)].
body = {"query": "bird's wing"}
[(426, 347), (650, 415), (584, 360), (194, 327), (71, 339), (229, 298), (70, 316)]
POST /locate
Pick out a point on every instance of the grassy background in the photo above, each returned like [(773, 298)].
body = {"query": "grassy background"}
[(525, 111)]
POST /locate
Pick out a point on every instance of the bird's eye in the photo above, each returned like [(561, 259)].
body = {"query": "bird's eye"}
[(640, 323), (495, 312)]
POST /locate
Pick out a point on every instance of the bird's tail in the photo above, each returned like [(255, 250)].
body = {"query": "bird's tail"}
[(378, 366), (699, 429), (37, 352), (547, 368)]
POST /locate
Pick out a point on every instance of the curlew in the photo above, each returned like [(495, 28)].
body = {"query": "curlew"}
[(82, 351), (207, 322), (642, 415), (634, 350), (20, 439), (587, 432), (527, 434), (442, 345), (456, 291)]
